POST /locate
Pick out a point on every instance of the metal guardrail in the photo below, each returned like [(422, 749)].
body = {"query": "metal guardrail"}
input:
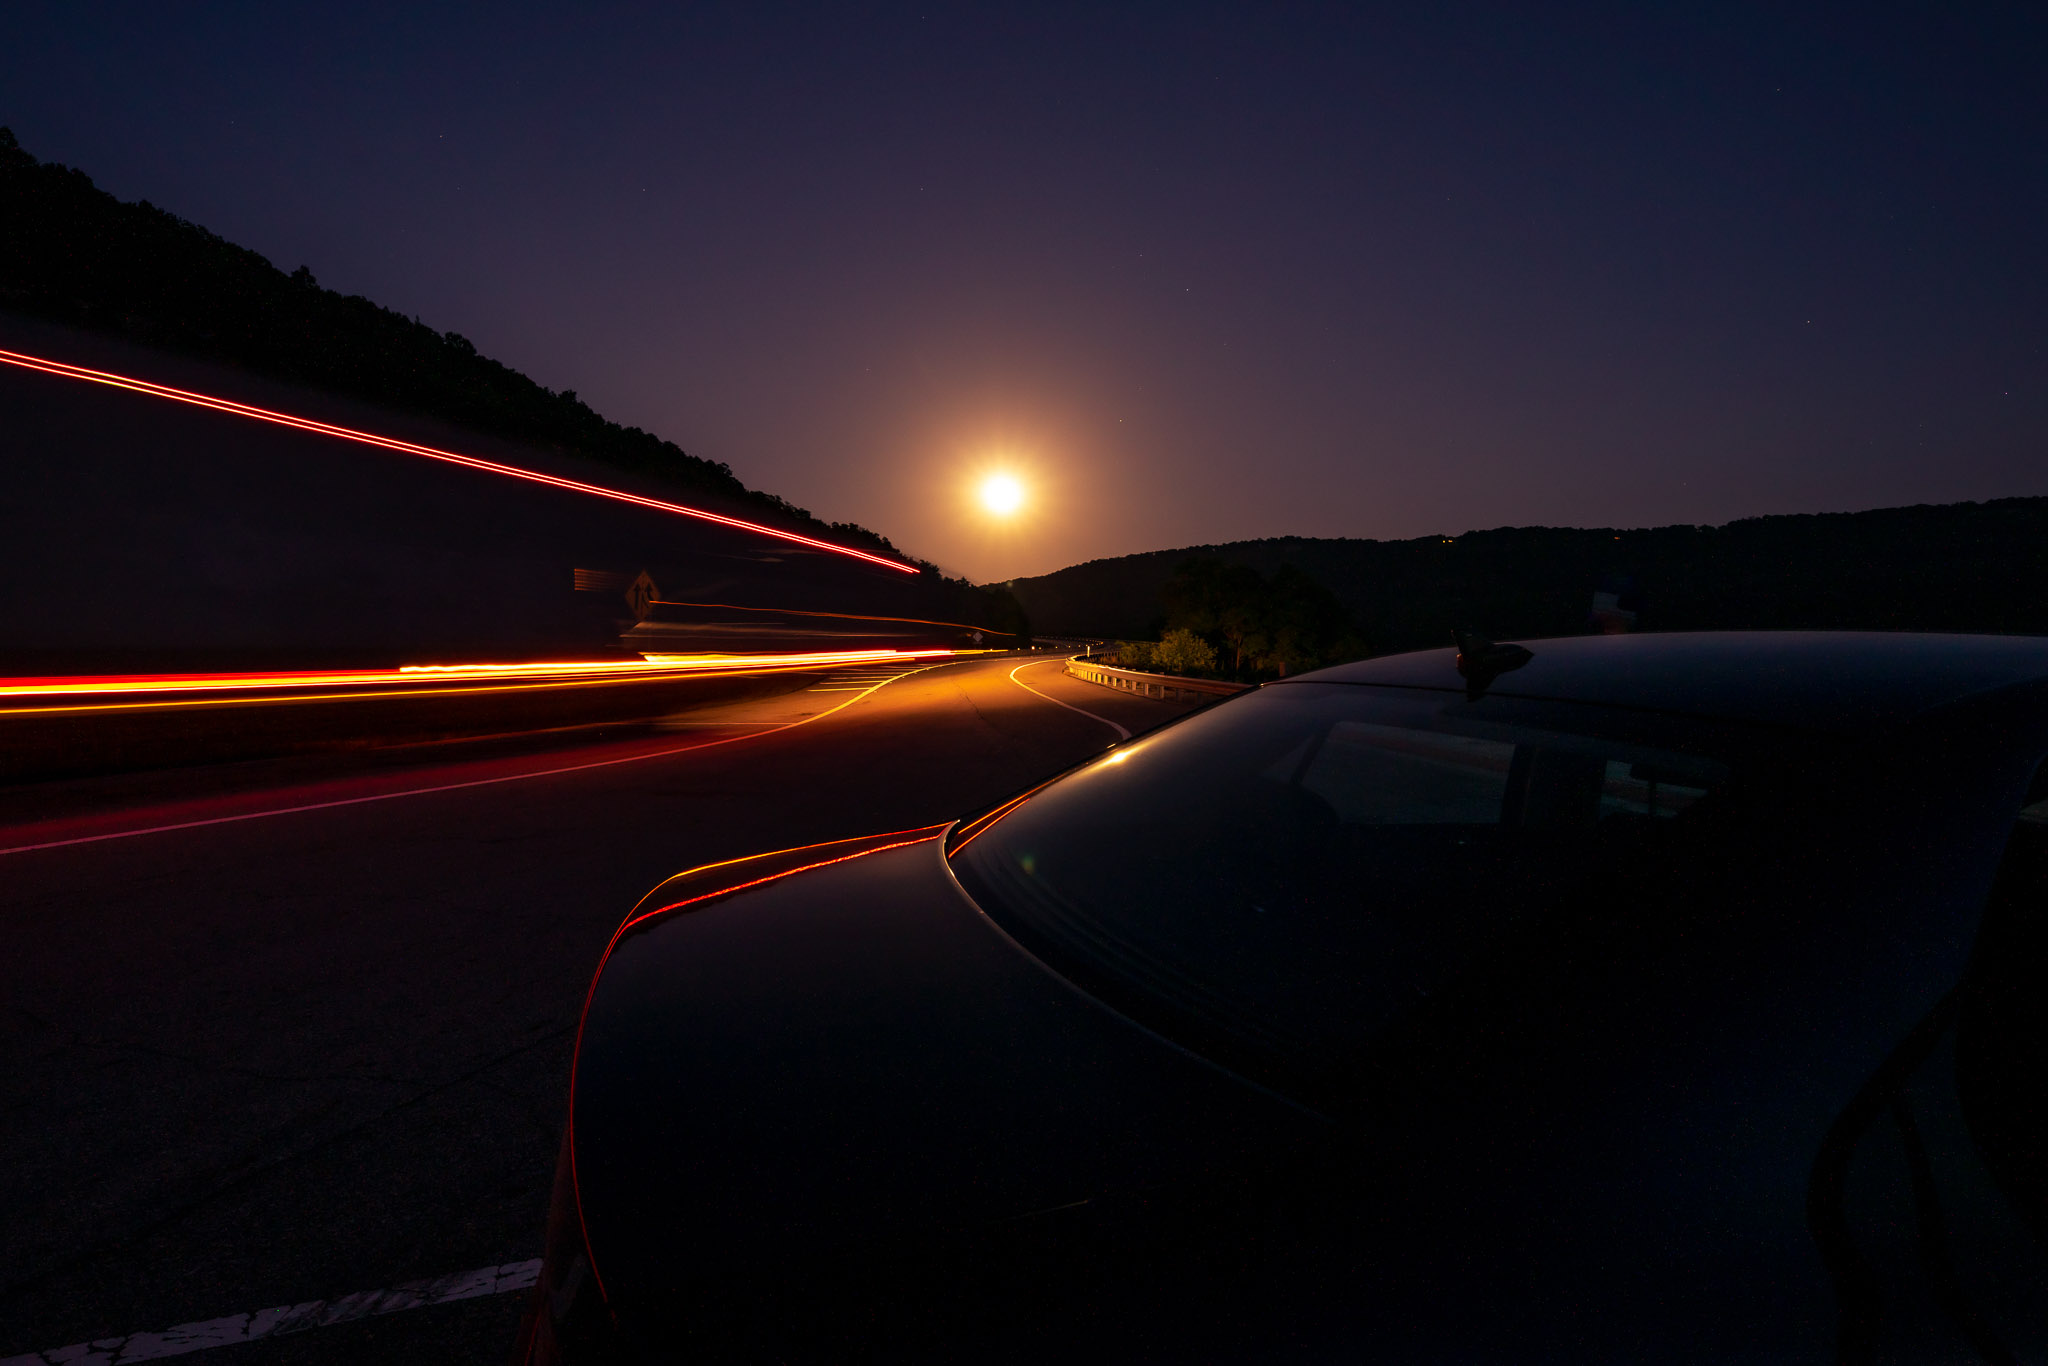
[(1169, 686)]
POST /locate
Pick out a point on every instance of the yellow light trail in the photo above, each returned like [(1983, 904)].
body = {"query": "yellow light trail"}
[(167, 690)]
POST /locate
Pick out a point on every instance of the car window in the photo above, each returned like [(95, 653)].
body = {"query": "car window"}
[(1391, 775), (1374, 774), (1299, 868)]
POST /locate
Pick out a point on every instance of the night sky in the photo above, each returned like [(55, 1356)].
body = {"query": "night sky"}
[(1193, 273)]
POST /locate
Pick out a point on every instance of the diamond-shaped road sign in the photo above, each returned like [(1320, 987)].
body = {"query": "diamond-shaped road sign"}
[(640, 596)]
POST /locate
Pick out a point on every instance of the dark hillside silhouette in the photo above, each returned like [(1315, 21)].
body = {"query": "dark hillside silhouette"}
[(1980, 567), (72, 253)]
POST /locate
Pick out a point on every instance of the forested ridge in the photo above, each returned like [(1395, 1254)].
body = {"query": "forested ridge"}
[(72, 253), (1974, 567)]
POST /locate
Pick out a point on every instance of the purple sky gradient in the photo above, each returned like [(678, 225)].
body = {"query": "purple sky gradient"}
[(1198, 273)]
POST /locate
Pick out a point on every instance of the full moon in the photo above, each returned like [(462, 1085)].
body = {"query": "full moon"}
[(1001, 494)]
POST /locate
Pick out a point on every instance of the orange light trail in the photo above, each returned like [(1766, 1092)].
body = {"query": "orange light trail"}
[(468, 784), (65, 370), (900, 839), (935, 832), (159, 690), (982, 824)]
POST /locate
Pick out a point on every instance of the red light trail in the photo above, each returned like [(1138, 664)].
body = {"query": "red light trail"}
[(899, 838), (973, 830), (305, 424), (135, 691), (61, 834)]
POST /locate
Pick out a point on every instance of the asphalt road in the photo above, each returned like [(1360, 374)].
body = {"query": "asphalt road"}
[(309, 1035)]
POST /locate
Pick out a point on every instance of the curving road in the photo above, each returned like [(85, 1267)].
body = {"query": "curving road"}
[(278, 1035)]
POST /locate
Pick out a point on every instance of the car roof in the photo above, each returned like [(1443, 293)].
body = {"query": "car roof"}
[(1828, 680)]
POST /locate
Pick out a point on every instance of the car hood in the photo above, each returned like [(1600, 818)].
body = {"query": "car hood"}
[(855, 1054)]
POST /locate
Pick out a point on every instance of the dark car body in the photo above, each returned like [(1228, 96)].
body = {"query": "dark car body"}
[(1652, 998)]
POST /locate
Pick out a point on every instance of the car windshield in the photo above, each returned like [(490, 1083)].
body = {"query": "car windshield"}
[(1287, 875)]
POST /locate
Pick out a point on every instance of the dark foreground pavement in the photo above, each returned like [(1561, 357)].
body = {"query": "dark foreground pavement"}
[(284, 1058)]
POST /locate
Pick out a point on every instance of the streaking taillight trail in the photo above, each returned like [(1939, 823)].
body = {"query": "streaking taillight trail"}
[(65, 370), (154, 690)]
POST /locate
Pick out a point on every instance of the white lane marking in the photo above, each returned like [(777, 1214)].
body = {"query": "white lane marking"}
[(286, 1318), (853, 682), (1122, 734), (457, 787)]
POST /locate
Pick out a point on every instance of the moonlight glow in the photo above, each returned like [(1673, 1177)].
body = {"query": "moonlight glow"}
[(1001, 494)]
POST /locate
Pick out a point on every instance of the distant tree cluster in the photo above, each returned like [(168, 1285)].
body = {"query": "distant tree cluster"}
[(1178, 651), (73, 253), (1950, 567), (1229, 618)]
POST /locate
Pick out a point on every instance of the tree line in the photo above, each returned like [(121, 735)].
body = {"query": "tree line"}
[(1229, 620), (1975, 567)]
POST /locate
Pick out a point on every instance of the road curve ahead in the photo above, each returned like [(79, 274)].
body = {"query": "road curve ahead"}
[(269, 1048)]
